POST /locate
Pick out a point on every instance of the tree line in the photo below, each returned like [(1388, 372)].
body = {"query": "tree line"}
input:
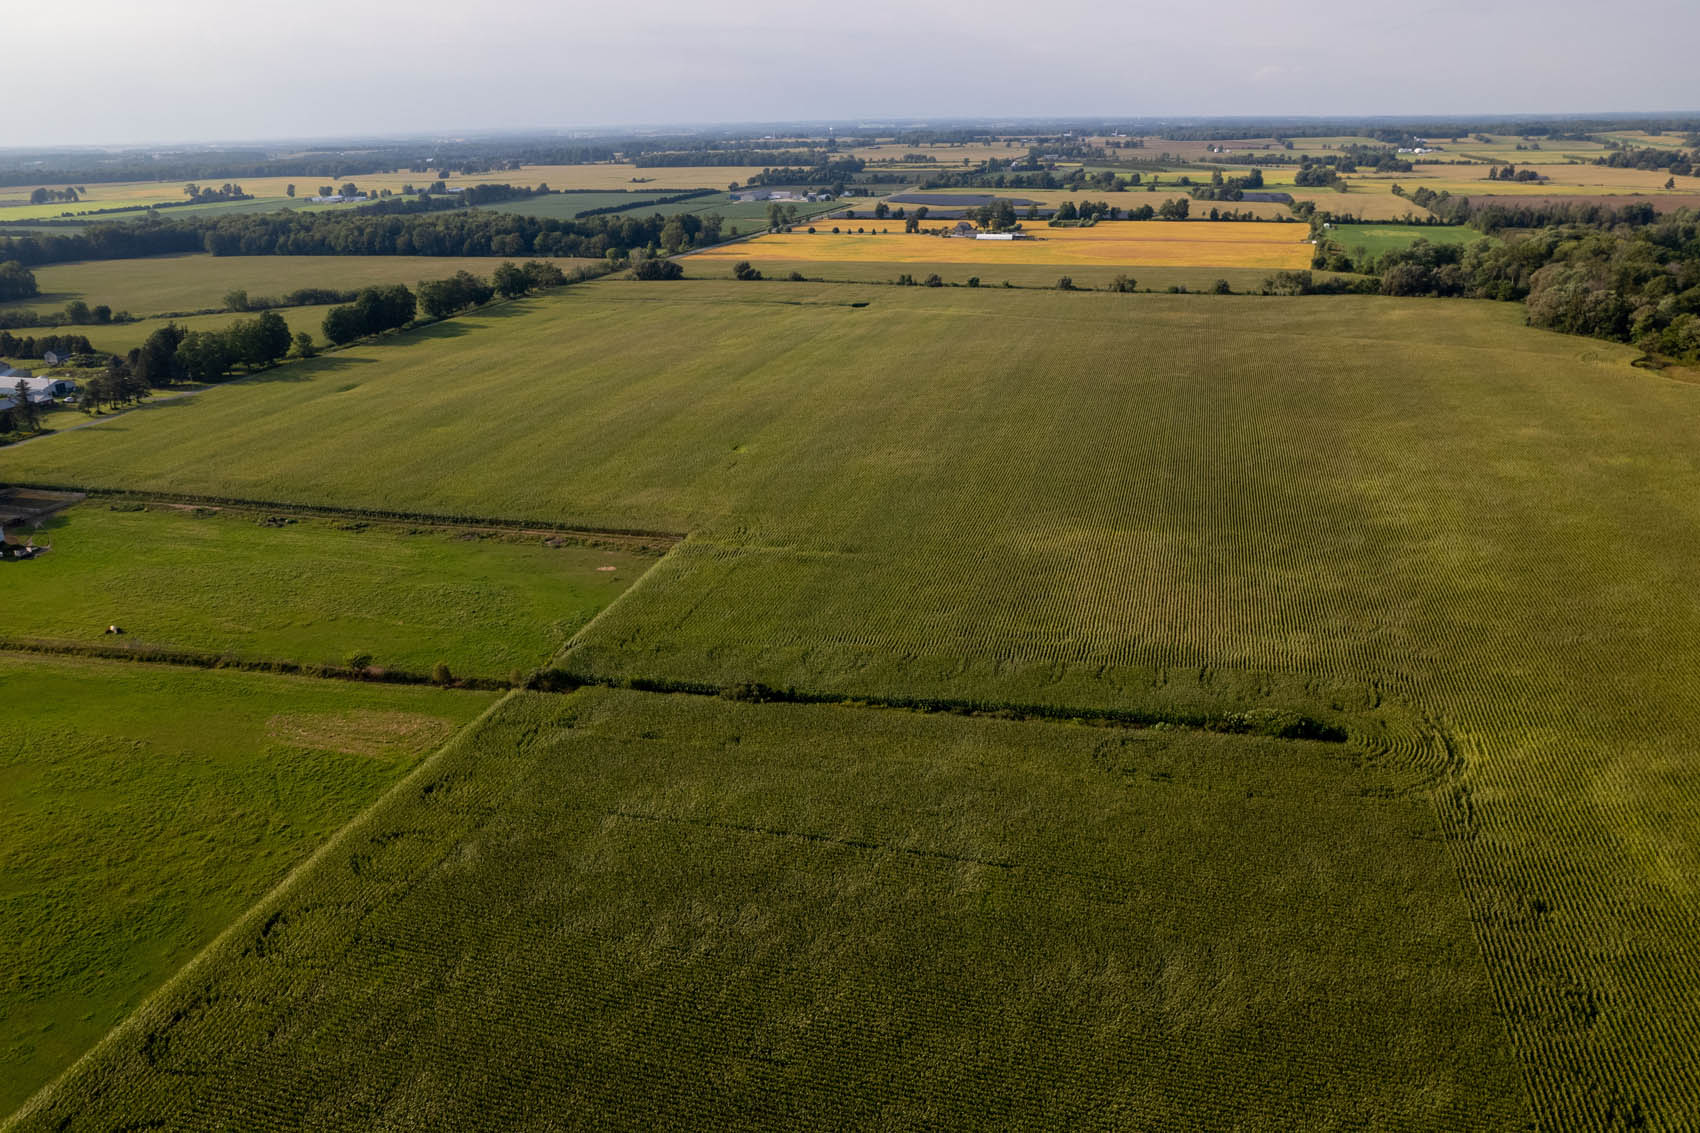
[(32, 346), (453, 232)]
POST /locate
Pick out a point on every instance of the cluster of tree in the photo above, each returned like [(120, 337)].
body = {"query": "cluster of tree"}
[(254, 344), (201, 195), (116, 386), (744, 270), (1512, 173), (658, 269), (1319, 176), (17, 282), (239, 299), (374, 310), (833, 171), (70, 194), (1228, 188), (1675, 161), (34, 347)]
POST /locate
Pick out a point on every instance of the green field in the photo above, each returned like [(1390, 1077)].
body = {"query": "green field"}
[(1467, 542), (680, 913), (312, 591), (565, 206), (1379, 239), (163, 284), (146, 807)]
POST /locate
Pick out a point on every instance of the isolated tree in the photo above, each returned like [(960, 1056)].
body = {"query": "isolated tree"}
[(289, 190), (24, 413), (304, 347), (881, 211), (1124, 283)]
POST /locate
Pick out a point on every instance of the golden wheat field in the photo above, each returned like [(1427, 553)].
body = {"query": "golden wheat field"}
[(1226, 244)]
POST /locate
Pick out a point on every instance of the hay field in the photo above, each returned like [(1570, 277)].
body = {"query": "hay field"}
[(1462, 540), (161, 284), (147, 806), (726, 916), (1247, 244)]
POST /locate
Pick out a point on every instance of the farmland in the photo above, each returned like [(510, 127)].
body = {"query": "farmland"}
[(721, 915), (1205, 244), (160, 285), (147, 806), (1461, 540), (270, 586)]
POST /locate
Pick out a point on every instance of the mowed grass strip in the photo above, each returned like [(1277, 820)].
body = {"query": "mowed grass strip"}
[(260, 586), (637, 911), (1246, 244), (146, 806)]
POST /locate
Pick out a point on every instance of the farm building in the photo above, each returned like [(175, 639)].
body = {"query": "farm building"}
[(40, 390), (964, 229)]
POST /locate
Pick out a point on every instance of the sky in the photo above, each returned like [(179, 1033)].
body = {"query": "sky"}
[(152, 71)]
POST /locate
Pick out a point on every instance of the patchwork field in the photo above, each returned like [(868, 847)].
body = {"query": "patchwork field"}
[(271, 586), (159, 285), (710, 915), (1207, 244), (146, 807), (1462, 541)]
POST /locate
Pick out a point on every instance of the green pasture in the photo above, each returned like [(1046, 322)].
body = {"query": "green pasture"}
[(257, 585), (1378, 239), (159, 285), (636, 911), (565, 206), (146, 806)]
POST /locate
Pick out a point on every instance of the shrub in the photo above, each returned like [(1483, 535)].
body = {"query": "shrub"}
[(658, 269), (440, 673)]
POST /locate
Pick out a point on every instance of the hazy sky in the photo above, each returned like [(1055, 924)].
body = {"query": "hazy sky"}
[(116, 71)]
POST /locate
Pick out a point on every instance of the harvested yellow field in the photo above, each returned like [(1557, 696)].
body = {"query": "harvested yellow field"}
[(1225, 244)]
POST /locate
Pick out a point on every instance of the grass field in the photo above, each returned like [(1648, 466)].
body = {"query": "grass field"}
[(707, 915), (147, 806), (1465, 541), (312, 591), (1018, 275), (161, 284), (1157, 243), (1377, 239)]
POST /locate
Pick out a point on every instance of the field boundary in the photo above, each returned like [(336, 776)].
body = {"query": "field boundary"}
[(622, 535)]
